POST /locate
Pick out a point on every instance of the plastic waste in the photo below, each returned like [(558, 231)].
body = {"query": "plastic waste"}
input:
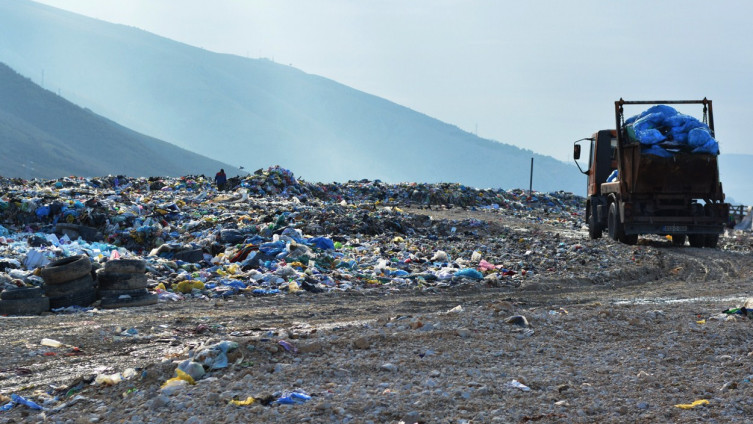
[(108, 379), (192, 368), (692, 405), (288, 346), (293, 398), (50, 343), (662, 123), (517, 385), (323, 243), (469, 273), (248, 401), (181, 379), (215, 356), (35, 258), (23, 401)]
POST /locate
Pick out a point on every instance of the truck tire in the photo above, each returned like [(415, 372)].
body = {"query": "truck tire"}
[(614, 224), (66, 269), (629, 239), (697, 240), (679, 239), (711, 240), (594, 228)]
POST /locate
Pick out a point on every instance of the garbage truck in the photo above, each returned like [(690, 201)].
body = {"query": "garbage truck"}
[(655, 173)]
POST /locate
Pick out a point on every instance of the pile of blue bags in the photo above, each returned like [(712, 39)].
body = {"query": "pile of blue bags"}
[(663, 131)]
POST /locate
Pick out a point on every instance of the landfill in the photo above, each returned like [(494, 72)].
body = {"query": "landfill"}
[(271, 233), (279, 300)]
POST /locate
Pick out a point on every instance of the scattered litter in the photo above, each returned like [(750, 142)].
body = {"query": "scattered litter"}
[(692, 405), (517, 385)]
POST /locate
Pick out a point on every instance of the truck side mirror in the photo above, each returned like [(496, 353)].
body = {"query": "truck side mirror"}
[(576, 152)]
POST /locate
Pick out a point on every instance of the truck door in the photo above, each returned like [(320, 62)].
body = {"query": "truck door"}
[(606, 158)]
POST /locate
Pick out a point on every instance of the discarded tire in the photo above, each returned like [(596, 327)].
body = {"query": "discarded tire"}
[(133, 266), (118, 281), (66, 269), (21, 293), (74, 231), (81, 298), (192, 256), (85, 283), (145, 300), (33, 306), (122, 284)]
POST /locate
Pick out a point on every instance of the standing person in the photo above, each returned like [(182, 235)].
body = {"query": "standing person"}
[(220, 179)]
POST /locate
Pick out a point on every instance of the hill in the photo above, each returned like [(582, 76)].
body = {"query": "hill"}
[(254, 112), (43, 135)]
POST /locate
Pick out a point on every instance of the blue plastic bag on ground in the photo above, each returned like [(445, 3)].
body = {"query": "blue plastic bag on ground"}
[(469, 273), (293, 398), (322, 242), (23, 401)]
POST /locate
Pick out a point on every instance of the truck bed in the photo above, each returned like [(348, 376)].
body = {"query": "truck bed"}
[(690, 174)]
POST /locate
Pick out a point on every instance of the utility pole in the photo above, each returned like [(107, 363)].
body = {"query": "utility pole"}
[(530, 181)]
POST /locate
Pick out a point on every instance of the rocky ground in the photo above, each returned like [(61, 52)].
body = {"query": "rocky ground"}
[(577, 331)]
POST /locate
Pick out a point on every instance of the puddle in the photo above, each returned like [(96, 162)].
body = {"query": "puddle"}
[(732, 300)]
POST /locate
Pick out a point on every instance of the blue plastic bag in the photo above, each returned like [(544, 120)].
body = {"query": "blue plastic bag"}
[(656, 151), (322, 243), (711, 147), (23, 401), (469, 273), (698, 137), (293, 398)]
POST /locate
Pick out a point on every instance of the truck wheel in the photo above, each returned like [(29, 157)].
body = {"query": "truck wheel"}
[(630, 239), (679, 239), (697, 240), (711, 240), (615, 226), (594, 228)]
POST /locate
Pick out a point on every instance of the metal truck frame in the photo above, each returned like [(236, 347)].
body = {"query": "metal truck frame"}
[(679, 196)]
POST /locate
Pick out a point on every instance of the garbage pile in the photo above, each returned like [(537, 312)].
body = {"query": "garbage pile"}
[(269, 233), (663, 131)]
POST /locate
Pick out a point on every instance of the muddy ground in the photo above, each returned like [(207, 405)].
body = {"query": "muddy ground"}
[(624, 337)]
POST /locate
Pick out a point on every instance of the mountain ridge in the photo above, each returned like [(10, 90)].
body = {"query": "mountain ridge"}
[(44, 135), (257, 113)]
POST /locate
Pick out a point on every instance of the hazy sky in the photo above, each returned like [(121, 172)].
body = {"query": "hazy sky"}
[(536, 74)]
